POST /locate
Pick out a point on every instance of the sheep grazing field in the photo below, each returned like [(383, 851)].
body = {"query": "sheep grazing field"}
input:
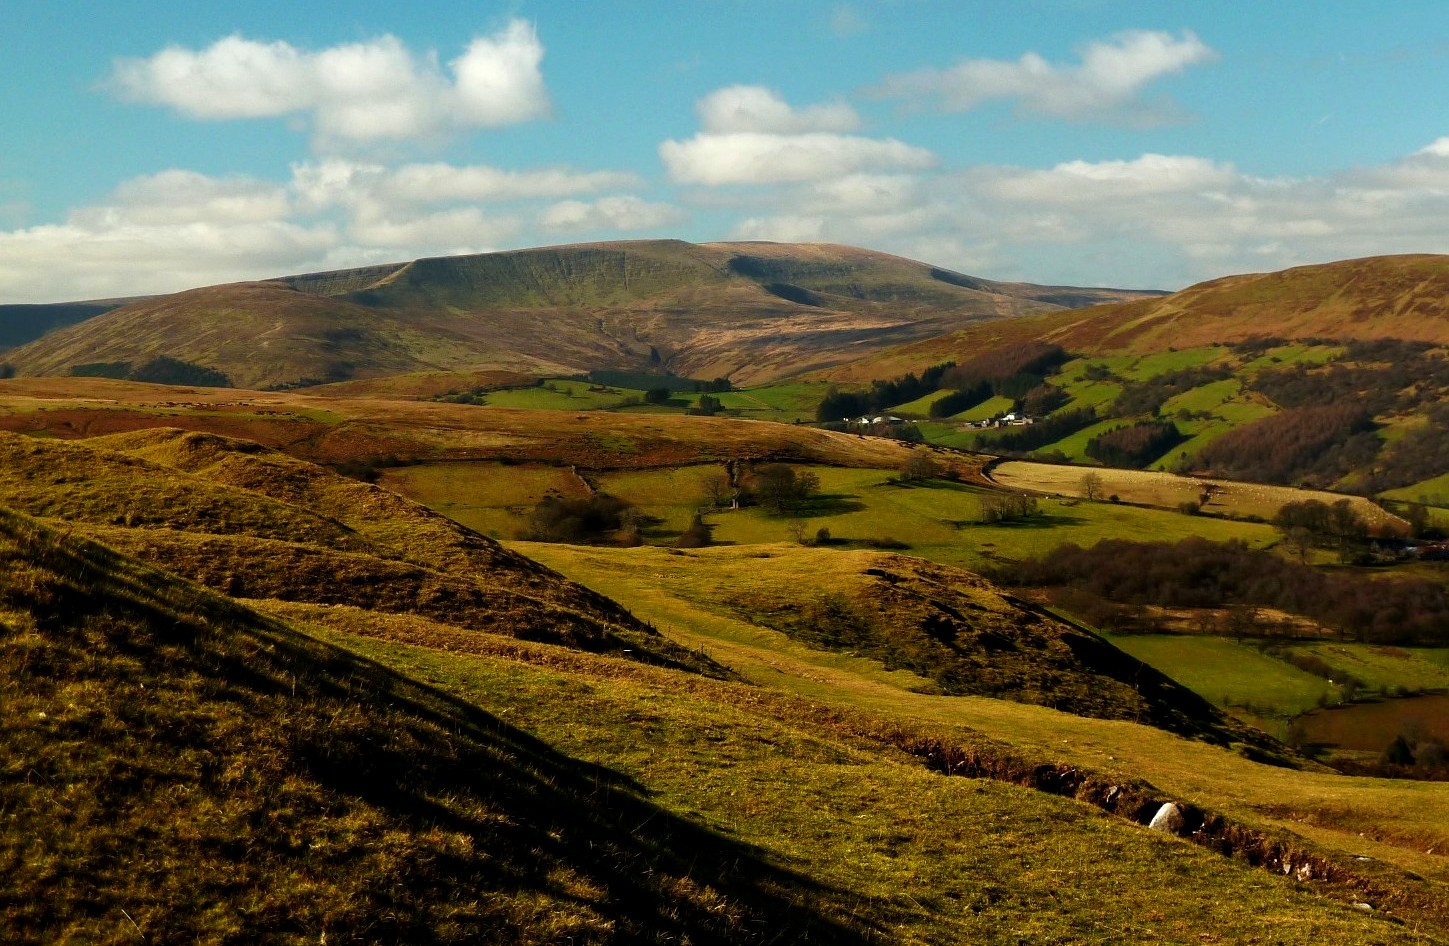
[(1171, 490)]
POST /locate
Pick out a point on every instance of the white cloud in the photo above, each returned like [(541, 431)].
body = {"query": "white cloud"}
[(783, 228), (753, 108), (1108, 82), (624, 213), (375, 90), (426, 183), (447, 232), (1154, 220), (102, 258), (341, 182), (750, 135), (176, 196), (1085, 181), (754, 158)]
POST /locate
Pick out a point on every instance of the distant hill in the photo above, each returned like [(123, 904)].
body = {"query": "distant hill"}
[(750, 311), (25, 323), (1403, 297)]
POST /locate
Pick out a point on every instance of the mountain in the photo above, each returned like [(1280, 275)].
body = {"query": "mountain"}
[(1401, 297), (24, 323), (750, 311)]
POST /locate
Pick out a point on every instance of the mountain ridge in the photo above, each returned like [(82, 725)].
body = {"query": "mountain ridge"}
[(750, 311)]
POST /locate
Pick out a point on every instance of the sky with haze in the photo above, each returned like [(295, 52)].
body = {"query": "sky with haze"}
[(152, 147)]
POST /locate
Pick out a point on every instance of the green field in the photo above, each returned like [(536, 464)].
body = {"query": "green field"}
[(492, 498), (939, 521), (1231, 674), (921, 406)]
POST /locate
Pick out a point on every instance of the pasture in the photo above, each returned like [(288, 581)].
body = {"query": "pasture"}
[(860, 507), (1169, 490)]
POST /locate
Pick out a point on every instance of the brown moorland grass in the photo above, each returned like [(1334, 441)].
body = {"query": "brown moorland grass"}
[(179, 768), (334, 430), (787, 790), (243, 519)]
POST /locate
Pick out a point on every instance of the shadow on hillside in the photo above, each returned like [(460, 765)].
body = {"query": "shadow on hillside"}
[(828, 504), (372, 807), (652, 871), (1038, 521)]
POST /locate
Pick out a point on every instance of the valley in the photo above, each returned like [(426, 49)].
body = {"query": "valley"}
[(543, 638)]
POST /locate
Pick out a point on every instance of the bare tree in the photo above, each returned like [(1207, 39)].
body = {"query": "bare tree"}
[(920, 465), (716, 488), (1091, 486)]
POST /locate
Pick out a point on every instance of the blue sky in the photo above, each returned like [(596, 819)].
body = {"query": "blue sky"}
[(152, 147)]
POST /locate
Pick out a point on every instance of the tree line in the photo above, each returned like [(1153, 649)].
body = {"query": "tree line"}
[(1198, 573)]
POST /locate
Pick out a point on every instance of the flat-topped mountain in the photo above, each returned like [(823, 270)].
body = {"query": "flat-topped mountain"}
[(750, 311)]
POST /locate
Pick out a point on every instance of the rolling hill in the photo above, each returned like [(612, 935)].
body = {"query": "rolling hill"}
[(750, 311), (246, 700), (1401, 297)]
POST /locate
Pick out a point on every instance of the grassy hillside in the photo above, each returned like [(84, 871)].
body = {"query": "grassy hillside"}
[(1376, 297), (338, 429), (750, 311), (197, 770), (246, 521), (691, 598)]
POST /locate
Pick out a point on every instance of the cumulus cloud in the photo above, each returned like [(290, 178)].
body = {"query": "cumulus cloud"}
[(753, 158), (1154, 220), (750, 135), (622, 213), (342, 182), (179, 229), (1086, 181), (443, 233), (1107, 82), (370, 91), (753, 108), (102, 257)]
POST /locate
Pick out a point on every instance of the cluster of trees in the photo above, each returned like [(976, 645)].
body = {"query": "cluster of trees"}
[(1134, 446), (642, 380), (1197, 573), (883, 395), (707, 406), (162, 370), (1380, 375), (1422, 453), (582, 521), (776, 487), (1147, 397), (1016, 371), (1007, 507), (1045, 431), (1308, 445)]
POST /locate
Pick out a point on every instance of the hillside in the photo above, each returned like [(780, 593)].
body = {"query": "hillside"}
[(1403, 297), (341, 737), (335, 430), (258, 524), (184, 768), (748, 311)]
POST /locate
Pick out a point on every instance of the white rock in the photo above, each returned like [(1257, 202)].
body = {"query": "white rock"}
[(1168, 819)]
